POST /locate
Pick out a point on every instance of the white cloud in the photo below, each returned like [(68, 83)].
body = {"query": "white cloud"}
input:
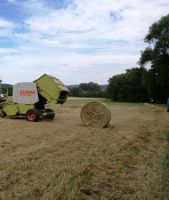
[(6, 28), (84, 41), (91, 20), (5, 24), (8, 51), (70, 67)]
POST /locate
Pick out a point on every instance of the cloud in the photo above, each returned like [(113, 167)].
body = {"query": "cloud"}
[(77, 40), (6, 28), (83, 20), (6, 24), (8, 51), (68, 67)]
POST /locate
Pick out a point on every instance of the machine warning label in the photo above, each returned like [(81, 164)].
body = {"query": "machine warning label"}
[(27, 93)]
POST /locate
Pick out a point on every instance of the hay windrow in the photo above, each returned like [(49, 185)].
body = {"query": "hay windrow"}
[(95, 114)]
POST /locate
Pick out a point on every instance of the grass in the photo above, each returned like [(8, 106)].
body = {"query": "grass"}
[(165, 170), (161, 189), (63, 160), (72, 100), (167, 135)]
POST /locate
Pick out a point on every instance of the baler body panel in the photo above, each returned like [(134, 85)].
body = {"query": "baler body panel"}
[(13, 109), (52, 89), (23, 108), (10, 110), (25, 93)]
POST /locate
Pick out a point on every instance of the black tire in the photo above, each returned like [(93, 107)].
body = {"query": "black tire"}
[(2, 113), (33, 115), (50, 114)]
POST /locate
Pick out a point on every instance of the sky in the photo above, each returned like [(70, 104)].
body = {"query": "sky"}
[(75, 40)]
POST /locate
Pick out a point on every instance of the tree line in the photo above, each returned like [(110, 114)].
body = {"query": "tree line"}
[(149, 81), (90, 89), (141, 84)]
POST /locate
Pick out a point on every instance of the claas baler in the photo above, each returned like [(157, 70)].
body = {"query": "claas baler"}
[(29, 98)]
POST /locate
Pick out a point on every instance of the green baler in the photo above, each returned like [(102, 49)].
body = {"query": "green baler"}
[(29, 99)]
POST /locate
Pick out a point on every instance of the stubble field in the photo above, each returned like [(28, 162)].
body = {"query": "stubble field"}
[(62, 159)]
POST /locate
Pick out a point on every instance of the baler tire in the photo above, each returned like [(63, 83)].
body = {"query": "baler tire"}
[(2, 114), (52, 115), (33, 115)]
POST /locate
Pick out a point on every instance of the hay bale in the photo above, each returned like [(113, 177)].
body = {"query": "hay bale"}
[(95, 114)]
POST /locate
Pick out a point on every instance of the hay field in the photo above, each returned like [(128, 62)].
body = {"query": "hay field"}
[(64, 160)]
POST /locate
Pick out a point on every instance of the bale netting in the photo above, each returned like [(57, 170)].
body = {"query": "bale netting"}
[(95, 114)]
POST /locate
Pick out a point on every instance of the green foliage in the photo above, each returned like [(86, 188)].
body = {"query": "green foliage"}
[(157, 56), (128, 87), (74, 91), (7, 88), (90, 89)]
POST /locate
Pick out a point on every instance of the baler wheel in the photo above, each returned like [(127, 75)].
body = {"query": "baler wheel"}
[(50, 114), (33, 115)]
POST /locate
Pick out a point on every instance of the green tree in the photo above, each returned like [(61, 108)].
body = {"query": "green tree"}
[(129, 86), (75, 92), (7, 88), (156, 55), (116, 88), (90, 89)]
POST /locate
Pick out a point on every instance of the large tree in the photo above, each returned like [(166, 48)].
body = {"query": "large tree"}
[(156, 56)]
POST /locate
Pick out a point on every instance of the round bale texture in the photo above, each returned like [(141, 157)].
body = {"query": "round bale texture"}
[(95, 114)]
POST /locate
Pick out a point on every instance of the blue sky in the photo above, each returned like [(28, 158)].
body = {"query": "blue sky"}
[(74, 40)]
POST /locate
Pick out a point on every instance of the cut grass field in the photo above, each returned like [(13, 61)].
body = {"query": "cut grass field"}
[(79, 100), (65, 160)]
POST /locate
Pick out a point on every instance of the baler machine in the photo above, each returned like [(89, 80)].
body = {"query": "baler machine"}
[(29, 98)]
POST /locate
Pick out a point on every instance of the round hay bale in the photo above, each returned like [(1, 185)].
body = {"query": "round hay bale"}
[(95, 114)]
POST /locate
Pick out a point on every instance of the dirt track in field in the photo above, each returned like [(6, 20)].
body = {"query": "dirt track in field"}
[(65, 160)]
